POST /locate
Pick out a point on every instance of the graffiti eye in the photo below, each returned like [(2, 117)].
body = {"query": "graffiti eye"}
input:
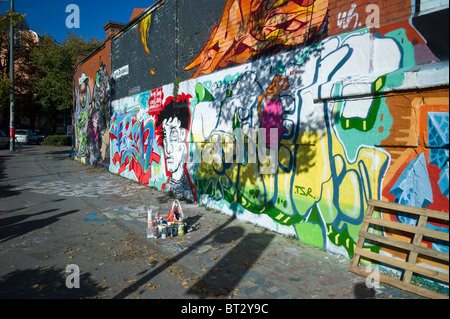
[(174, 134)]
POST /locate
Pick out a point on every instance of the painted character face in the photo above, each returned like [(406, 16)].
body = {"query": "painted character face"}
[(174, 146), (83, 94)]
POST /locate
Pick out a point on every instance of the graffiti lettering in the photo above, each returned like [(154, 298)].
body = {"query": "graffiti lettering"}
[(344, 18), (372, 20), (302, 191)]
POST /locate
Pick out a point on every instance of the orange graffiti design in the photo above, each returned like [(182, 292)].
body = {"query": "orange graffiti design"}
[(249, 26)]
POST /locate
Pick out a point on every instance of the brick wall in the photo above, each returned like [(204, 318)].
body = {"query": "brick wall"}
[(197, 19), (345, 16), (152, 63), (184, 22)]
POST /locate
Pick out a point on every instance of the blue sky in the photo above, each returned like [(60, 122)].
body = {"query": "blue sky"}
[(49, 16)]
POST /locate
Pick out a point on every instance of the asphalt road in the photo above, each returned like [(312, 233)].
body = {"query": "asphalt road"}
[(51, 217)]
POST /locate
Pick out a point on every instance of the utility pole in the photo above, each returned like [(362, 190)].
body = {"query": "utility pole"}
[(12, 133)]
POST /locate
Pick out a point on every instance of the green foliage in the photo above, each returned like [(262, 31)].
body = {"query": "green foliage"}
[(55, 63), (4, 91), (58, 140), (18, 21)]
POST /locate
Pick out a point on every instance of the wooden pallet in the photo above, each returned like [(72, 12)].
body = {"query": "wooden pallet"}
[(413, 248)]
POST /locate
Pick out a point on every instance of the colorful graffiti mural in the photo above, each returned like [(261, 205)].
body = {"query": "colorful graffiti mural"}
[(331, 155), (247, 28), (149, 141), (92, 115), (344, 119), (316, 169), (82, 105), (133, 142)]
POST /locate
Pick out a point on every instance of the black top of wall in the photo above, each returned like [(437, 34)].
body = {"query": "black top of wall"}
[(178, 32)]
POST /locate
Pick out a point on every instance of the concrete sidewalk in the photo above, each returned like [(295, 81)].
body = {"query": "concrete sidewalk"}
[(222, 257), (229, 258)]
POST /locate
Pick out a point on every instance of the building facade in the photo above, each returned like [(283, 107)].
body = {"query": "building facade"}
[(290, 114)]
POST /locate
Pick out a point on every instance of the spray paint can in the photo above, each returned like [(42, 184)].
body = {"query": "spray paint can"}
[(175, 228), (159, 230), (164, 232), (169, 229), (180, 228), (150, 232), (155, 227), (155, 231)]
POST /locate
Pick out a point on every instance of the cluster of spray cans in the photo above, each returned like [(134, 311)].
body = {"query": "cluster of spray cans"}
[(158, 227)]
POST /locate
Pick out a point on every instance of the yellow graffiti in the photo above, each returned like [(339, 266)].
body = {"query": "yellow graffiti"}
[(144, 29)]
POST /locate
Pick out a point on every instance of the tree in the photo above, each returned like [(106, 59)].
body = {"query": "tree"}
[(20, 24), (55, 63)]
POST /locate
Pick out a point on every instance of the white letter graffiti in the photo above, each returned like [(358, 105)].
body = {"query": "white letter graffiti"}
[(345, 18)]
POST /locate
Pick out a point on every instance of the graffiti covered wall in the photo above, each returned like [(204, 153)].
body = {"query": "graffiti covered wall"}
[(291, 115), (92, 109)]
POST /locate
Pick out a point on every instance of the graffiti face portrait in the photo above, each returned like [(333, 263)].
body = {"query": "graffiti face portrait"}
[(174, 144), (173, 124), (83, 93)]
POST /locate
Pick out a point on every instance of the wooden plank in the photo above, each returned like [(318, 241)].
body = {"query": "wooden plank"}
[(364, 228), (403, 265), (412, 258), (406, 246), (410, 209), (414, 249), (408, 228), (399, 284)]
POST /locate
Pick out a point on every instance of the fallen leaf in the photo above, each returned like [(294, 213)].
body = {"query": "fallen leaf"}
[(303, 291)]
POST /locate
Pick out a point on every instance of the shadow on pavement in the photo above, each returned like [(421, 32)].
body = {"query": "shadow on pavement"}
[(5, 190), (47, 283), (361, 291), (135, 286), (12, 227), (8, 191), (226, 274)]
